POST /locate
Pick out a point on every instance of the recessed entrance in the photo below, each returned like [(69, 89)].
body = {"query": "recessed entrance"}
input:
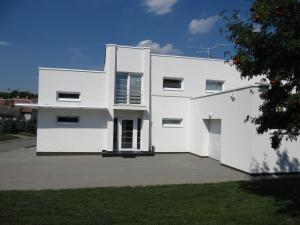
[(128, 132)]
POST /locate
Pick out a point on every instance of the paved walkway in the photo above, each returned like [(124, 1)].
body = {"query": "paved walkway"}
[(10, 145), (22, 169)]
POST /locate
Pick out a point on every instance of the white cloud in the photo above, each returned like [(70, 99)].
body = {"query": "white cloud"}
[(3, 43), (203, 25), (167, 49), (160, 7)]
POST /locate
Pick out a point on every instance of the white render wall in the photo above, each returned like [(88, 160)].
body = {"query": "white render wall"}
[(266, 160), (91, 85), (241, 147), (170, 139), (89, 135), (176, 103), (195, 72)]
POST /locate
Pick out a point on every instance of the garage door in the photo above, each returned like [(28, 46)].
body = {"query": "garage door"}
[(214, 147)]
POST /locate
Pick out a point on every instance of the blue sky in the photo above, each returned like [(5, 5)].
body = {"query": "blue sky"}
[(73, 33)]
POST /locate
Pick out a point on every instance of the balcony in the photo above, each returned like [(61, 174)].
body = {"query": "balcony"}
[(129, 100), (128, 97), (128, 91)]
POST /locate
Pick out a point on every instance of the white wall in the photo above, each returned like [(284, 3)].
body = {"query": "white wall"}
[(241, 146), (267, 160), (195, 72), (164, 104), (130, 59), (170, 139), (236, 135), (91, 85), (88, 136)]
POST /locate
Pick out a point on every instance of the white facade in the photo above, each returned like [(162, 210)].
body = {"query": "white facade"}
[(174, 103)]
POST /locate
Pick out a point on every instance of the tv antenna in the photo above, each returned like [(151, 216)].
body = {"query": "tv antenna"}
[(208, 49)]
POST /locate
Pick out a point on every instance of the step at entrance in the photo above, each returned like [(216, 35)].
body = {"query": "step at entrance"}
[(126, 154)]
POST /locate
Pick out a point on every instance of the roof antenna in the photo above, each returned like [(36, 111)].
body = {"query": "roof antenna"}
[(208, 49)]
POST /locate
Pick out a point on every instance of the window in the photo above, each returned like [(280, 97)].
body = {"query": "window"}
[(68, 96), (214, 86), (68, 120), (173, 84), (172, 122), (128, 88)]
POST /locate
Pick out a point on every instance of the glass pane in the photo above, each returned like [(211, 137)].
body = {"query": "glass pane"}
[(214, 85), (68, 119), (69, 95), (172, 83), (121, 88), (135, 89), (172, 122), (127, 133)]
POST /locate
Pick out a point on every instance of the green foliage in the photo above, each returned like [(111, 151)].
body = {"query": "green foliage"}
[(267, 43), (6, 137), (30, 127), (17, 93)]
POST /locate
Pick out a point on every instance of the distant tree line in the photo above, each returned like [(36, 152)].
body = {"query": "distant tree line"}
[(17, 93)]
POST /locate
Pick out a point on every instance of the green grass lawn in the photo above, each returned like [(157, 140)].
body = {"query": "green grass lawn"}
[(275, 201), (5, 137)]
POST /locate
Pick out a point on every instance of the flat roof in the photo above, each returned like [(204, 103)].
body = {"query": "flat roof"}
[(52, 106), (75, 70)]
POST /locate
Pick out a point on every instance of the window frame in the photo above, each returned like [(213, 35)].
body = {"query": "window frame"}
[(128, 80), (179, 125), (173, 89), (67, 123), (68, 99), (214, 91)]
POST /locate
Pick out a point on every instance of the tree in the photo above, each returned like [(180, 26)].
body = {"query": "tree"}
[(267, 44)]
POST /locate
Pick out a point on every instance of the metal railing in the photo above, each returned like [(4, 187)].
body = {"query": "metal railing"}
[(128, 97)]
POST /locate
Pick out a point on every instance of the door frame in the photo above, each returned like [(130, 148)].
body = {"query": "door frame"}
[(134, 134)]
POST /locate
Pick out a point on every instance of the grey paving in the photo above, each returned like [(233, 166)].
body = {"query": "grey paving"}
[(10, 145), (22, 169)]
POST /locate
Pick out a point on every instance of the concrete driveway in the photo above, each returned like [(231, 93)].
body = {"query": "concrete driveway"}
[(21, 169)]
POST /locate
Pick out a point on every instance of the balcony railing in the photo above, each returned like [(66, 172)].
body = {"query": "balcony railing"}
[(128, 97)]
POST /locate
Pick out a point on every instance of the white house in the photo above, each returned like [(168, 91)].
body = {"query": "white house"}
[(143, 101)]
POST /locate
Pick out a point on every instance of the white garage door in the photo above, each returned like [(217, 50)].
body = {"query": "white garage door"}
[(214, 147)]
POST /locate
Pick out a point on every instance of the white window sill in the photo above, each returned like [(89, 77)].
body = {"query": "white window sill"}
[(173, 126), (68, 100), (214, 91), (66, 124), (173, 89)]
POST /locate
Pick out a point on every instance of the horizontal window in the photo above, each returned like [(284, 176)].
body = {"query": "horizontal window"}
[(67, 119), (214, 86), (173, 84), (68, 96), (172, 122)]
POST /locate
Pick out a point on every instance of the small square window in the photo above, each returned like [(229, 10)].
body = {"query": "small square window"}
[(214, 86), (173, 84), (172, 122)]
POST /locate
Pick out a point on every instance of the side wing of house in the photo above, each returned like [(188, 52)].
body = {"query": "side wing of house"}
[(174, 81), (72, 114), (219, 131)]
